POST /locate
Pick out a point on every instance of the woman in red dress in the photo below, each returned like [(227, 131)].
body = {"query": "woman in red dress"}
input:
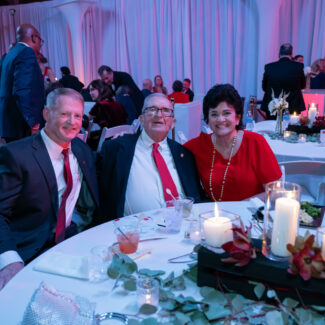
[(233, 164), (107, 112)]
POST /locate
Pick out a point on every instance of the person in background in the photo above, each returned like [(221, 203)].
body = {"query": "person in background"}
[(106, 112), (317, 79), (47, 72), (146, 87), (39, 206), (233, 164), (159, 86), (123, 97), (187, 90), (285, 76), (70, 81), (178, 95), (115, 79), (300, 58), (22, 93), (130, 179)]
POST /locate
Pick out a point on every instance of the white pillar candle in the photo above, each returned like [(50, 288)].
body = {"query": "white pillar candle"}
[(285, 225), (294, 119), (312, 112), (217, 230)]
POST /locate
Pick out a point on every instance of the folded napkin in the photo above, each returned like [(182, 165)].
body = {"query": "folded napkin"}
[(51, 307), (63, 264)]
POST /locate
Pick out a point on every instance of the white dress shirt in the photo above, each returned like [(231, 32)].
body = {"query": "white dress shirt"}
[(144, 190), (57, 159)]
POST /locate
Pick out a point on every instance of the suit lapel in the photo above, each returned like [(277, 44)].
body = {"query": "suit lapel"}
[(178, 155), (43, 159)]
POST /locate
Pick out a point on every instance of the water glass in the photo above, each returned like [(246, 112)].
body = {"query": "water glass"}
[(99, 260), (147, 291), (322, 137), (173, 220), (183, 205)]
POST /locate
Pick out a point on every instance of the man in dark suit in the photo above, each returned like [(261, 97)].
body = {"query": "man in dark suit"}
[(116, 79), (70, 81), (187, 89), (22, 92), (284, 75), (48, 187), (130, 181)]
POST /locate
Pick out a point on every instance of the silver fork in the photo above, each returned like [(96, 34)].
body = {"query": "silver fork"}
[(111, 315)]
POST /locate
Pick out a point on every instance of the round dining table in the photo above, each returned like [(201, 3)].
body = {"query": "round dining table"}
[(15, 296)]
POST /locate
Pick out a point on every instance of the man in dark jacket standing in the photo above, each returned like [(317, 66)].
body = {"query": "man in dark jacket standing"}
[(284, 75), (116, 79), (22, 92)]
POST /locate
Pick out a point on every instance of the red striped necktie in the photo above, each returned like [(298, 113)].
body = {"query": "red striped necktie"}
[(61, 220), (166, 179)]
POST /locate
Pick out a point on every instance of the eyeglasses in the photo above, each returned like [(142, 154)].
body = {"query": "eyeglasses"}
[(41, 40), (153, 110)]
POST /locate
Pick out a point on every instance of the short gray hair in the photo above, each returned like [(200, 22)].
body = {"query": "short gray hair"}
[(54, 96), (150, 97)]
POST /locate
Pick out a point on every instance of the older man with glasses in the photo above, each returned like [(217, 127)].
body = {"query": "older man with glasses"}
[(139, 172), (22, 92)]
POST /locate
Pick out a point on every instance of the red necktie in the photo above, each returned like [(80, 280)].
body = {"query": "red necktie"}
[(166, 179), (61, 220)]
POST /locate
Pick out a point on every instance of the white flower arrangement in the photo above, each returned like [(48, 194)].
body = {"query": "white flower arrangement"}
[(277, 105)]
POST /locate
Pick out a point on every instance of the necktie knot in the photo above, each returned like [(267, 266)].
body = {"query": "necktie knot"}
[(155, 146), (65, 152)]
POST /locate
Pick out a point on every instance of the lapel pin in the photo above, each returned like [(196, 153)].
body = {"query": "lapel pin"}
[(182, 155), (83, 162)]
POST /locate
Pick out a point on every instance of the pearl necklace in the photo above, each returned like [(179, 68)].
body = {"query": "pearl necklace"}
[(226, 170)]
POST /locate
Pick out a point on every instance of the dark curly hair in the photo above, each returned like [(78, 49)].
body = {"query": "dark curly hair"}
[(223, 93)]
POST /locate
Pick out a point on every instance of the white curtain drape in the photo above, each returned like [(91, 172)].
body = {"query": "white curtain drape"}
[(210, 41)]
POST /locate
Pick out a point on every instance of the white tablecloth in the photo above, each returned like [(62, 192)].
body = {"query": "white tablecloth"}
[(16, 295), (285, 151)]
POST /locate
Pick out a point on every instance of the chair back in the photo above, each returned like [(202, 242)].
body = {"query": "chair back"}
[(83, 136), (110, 132), (310, 175), (181, 136)]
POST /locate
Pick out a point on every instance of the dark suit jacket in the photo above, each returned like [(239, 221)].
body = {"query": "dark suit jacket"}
[(115, 164), (284, 75), (190, 94), (29, 195), (22, 92), (69, 81), (124, 79), (318, 82), (129, 107)]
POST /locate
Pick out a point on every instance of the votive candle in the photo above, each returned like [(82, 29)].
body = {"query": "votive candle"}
[(294, 118)]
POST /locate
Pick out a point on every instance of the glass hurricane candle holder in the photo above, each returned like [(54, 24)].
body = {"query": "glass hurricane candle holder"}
[(320, 240), (294, 118), (286, 134), (147, 291), (302, 138), (281, 219), (216, 228)]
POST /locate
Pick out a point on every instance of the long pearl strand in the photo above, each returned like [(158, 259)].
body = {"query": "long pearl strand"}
[(226, 170)]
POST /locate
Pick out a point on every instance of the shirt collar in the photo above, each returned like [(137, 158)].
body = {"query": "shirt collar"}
[(24, 44), (147, 141), (52, 147)]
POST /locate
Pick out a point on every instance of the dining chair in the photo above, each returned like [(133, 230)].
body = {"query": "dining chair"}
[(310, 175), (181, 136), (110, 132), (83, 136)]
